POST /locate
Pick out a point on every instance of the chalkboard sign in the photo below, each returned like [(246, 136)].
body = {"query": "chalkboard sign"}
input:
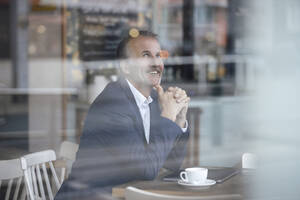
[(101, 27), (4, 32)]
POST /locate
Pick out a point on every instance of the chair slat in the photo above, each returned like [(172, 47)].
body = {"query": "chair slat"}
[(17, 188), (47, 181), (54, 175), (29, 188), (34, 181), (62, 174), (30, 179), (41, 186), (0, 184), (8, 189), (24, 194)]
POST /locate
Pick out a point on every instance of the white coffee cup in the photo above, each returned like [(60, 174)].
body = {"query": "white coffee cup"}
[(194, 175)]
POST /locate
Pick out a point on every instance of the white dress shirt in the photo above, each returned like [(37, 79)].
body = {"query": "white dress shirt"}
[(143, 105)]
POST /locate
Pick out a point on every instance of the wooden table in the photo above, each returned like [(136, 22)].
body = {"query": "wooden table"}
[(238, 184)]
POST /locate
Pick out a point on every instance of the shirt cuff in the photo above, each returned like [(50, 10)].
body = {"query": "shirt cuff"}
[(184, 129)]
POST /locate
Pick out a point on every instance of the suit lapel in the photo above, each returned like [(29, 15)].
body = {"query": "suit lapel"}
[(154, 113), (137, 119)]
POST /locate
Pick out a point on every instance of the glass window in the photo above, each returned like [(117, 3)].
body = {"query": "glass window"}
[(64, 65)]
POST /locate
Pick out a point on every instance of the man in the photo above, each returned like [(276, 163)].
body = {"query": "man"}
[(132, 130)]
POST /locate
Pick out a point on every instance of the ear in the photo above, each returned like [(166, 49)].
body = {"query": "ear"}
[(124, 66)]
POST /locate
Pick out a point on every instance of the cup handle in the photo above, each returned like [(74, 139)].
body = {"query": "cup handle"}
[(183, 176)]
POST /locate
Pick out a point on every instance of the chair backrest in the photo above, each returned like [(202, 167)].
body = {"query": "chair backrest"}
[(132, 193), (249, 161), (68, 150), (67, 153), (33, 164), (11, 174)]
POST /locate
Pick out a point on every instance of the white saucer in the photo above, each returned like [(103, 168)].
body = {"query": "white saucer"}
[(208, 182)]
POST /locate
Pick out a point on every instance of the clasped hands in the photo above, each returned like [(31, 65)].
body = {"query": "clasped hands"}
[(174, 104)]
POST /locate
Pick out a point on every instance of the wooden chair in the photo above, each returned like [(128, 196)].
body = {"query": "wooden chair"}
[(132, 193), (67, 153), (33, 164), (11, 173)]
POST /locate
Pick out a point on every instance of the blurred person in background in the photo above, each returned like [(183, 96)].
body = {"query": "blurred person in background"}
[(134, 128)]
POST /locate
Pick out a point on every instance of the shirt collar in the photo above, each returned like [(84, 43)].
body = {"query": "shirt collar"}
[(139, 98)]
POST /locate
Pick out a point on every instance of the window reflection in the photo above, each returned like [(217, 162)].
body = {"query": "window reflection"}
[(57, 57)]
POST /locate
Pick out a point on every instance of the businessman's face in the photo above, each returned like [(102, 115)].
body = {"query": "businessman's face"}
[(146, 66)]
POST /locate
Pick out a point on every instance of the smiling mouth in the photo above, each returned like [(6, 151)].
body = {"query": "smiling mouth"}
[(155, 72)]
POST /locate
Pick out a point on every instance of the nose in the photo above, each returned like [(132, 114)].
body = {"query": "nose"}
[(157, 61)]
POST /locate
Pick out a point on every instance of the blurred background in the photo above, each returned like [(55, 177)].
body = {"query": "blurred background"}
[(237, 59)]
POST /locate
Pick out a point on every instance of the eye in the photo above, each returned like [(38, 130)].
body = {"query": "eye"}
[(146, 55)]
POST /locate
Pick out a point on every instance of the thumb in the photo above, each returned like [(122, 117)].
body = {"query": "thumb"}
[(159, 90)]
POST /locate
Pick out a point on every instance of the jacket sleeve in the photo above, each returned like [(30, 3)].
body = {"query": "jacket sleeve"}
[(178, 146), (178, 153)]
